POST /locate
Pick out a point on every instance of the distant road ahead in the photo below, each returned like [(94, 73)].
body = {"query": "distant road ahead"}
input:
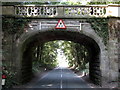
[(60, 78)]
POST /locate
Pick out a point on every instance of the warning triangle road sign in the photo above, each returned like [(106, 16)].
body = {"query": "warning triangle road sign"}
[(60, 25)]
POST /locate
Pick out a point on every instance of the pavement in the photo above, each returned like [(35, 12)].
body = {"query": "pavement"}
[(60, 78)]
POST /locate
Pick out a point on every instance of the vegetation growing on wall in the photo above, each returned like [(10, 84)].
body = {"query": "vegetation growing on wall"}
[(14, 25), (100, 25), (12, 29)]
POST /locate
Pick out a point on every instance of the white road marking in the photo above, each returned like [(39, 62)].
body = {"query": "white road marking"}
[(61, 75), (61, 86)]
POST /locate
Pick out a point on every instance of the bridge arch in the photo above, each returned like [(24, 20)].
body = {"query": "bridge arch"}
[(87, 37)]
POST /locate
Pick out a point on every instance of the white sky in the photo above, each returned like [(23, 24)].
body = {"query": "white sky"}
[(62, 61)]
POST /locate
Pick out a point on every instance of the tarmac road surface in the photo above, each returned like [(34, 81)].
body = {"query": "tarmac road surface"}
[(61, 78)]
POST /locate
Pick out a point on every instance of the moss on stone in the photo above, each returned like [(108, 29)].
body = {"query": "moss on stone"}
[(100, 25)]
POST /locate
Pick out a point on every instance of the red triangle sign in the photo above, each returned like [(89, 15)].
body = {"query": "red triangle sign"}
[(60, 25)]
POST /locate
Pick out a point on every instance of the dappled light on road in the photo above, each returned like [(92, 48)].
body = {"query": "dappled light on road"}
[(49, 85), (61, 78)]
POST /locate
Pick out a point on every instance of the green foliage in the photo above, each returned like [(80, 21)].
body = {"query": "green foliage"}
[(50, 53), (12, 3), (10, 80), (101, 27), (12, 29), (36, 67), (69, 3), (76, 54), (47, 56), (105, 2), (13, 26)]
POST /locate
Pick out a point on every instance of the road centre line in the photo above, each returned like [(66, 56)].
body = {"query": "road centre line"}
[(61, 86)]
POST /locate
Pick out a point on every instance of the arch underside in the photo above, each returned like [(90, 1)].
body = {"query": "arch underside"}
[(77, 37)]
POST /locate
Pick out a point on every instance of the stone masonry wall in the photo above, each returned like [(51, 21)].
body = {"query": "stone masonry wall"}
[(119, 51), (113, 48)]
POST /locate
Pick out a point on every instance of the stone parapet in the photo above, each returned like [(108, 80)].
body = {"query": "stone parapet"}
[(62, 11)]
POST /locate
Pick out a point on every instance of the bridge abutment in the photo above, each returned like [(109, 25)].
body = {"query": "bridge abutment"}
[(108, 59), (113, 49)]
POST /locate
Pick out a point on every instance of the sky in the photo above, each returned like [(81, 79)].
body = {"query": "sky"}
[(62, 61)]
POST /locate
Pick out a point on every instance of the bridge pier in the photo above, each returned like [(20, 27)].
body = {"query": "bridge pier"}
[(119, 54), (114, 49)]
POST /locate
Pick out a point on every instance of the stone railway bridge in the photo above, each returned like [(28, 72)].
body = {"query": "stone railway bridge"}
[(104, 58)]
